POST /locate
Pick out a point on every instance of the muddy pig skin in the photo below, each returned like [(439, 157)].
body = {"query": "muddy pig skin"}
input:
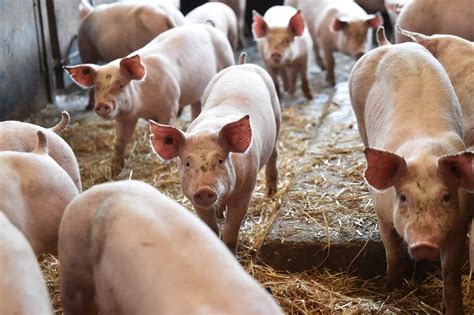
[(225, 147), (437, 17), (22, 287), (238, 6), (35, 192), (337, 25), (457, 57), (135, 251), (155, 81), (111, 31), (284, 43), (418, 171), (21, 136), (218, 14)]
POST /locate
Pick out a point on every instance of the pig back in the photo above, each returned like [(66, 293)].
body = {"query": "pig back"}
[(401, 91), (437, 17), (21, 137), (22, 286), (113, 31), (240, 90)]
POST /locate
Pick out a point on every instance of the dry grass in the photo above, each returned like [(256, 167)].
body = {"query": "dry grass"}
[(311, 292)]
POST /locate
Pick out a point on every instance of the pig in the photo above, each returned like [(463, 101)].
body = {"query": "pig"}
[(284, 43), (457, 57), (394, 7), (437, 17), (35, 192), (125, 248), (21, 136), (219, 14), (372, 6), (171, 3), (111, 31), (418, 171), (337, 26), (238, 6), (225, 146), (156, 81), (22, 286)]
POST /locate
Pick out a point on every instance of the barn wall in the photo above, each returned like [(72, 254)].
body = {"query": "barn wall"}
[(22, 77)]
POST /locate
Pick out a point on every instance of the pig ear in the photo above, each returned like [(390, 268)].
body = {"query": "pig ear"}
[(421, 39), (382, 168), (165, 140), (83, 75), (259, 26), (374, 21), (337, 24), (461, 167), (133, 67), (237, 135), (296, 24)]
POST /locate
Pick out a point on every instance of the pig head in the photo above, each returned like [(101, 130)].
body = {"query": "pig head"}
[(425, 196), (206, 170)]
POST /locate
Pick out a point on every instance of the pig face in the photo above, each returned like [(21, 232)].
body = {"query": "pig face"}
[(206, 170), (354, 33), (110, 82), (426, 206), (278, 42)]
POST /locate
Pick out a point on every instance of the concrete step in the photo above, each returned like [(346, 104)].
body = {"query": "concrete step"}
[(327, 219)]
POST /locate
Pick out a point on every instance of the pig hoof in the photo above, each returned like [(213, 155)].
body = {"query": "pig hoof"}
[(271, 190), (308, 95)]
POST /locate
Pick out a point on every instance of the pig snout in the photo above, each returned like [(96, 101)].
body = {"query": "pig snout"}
[(103, 109), (205, 197), (424, 250), (276, 57)]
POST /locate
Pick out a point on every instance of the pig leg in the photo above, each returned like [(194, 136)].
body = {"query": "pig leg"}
[(394, 252), (209, 217), (195, 109), (284, 76), (303, 69), (317, 53), (329, 59), (291, 77), (271, 173), (274, 74), (77, 290), (451, 263), (234, 216), (124, 130)]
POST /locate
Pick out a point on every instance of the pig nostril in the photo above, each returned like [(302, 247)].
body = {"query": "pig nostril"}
[(276, 57), (103, 109), (205, 197)]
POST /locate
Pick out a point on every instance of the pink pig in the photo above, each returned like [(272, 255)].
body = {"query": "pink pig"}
[(220, 15), (125, 248), (35, 192), (437, 17), (155, 81), (410, 121), (284, 43), (20, 136), (225, 147), (238, 6), (337, 25), (22, 286)]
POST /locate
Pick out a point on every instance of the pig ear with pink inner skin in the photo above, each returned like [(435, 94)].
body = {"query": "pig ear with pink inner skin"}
[(259, 26), (237, 135), (296, 24), (338, 24), (383, 168), (133, 67), (460, 167), (165, 140), (83, 75), (374, 20)]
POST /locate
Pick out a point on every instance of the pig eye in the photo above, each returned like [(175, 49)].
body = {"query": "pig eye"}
[(403, 198), (446, 197), (188, 164), (221, 161)]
